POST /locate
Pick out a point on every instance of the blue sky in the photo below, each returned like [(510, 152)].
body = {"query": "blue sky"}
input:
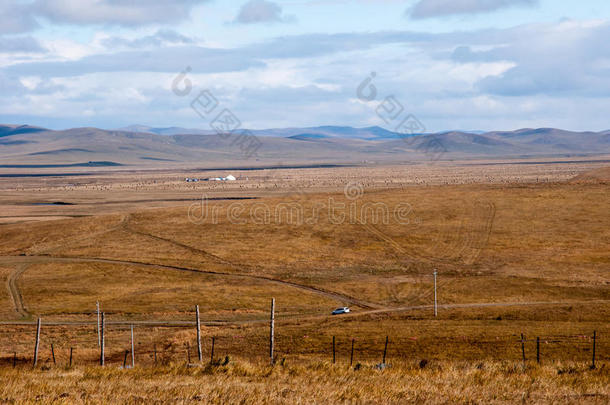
[(454, 64)]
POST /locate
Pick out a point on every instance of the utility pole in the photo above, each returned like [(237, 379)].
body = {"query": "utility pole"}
[(435, 302)]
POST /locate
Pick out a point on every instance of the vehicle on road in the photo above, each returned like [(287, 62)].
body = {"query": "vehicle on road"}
[(341, 310)]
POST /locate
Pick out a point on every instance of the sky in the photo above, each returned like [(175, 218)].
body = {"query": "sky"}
[(452, 64)]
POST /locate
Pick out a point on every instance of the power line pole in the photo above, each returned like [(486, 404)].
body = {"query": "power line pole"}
[(435, 302)]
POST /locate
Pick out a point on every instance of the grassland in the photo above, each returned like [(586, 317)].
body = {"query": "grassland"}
[(310, 382), (512, 257)]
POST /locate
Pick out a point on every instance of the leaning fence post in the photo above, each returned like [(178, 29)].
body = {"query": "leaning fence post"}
[(125, 359), (53, 354), (272, 330), (385, 350), (133, 350), (37, 344), (351, 357), (523, 348), (594, 338), (199, 353), (102, 341), (212, 351), (99, 336)]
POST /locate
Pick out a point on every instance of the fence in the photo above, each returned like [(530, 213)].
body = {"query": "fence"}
[(161, 342)]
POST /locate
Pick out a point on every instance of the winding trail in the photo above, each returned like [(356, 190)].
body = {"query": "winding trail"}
[(13, 289), (298, 318), (48, 248), (205, 253), (466, 245), (24, 261)]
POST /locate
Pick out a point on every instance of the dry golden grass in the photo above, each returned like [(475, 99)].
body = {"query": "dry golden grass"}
[(542, 245), (306, 382), (132, 291)]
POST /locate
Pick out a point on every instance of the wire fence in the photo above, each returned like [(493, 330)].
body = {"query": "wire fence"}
[(157, 344)]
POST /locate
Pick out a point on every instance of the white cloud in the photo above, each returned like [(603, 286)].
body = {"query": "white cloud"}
[(552, 74), (160, 38), (439, 8), (16, 17), (260, 11), (23, 44), (119, 12)]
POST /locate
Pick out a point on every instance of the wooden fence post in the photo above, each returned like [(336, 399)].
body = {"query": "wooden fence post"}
[(523, 348), (272, 330), (102, 341), (99, 336), (538, 349), (70, 357), (188, 353), (594, 338), (199, 352), (212, 352), (351, 357), (435, 302), (37, 344), (155, 353), (334, 350), (133, 350), (53, 354), (385, 350), (14, 359), (125, 359)]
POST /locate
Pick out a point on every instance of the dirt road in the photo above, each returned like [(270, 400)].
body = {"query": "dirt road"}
[(13, 289), (298, 318), (22, 262)]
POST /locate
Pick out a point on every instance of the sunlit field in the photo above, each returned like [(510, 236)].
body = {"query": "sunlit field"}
[(511, 259)]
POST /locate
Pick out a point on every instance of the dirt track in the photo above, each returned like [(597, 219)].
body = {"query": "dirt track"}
[(13, 288), (43, 256), (23, 262), (314, 317)]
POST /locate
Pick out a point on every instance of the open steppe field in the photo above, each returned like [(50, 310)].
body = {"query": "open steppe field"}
[(518, 249), (32, 194)]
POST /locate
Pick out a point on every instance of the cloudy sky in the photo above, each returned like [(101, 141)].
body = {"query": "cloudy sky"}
[(455, 64)]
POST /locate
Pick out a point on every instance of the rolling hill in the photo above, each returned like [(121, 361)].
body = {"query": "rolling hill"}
[(27, 145)]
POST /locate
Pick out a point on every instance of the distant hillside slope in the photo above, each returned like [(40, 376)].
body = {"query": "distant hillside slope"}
[(33, 145), (594, 176), (8, 130)]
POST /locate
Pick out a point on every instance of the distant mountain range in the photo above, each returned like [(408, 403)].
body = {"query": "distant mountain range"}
[(328, 131), (153, 147)]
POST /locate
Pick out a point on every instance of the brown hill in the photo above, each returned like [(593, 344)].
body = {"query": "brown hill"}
[(601, 175), (25, 145)]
